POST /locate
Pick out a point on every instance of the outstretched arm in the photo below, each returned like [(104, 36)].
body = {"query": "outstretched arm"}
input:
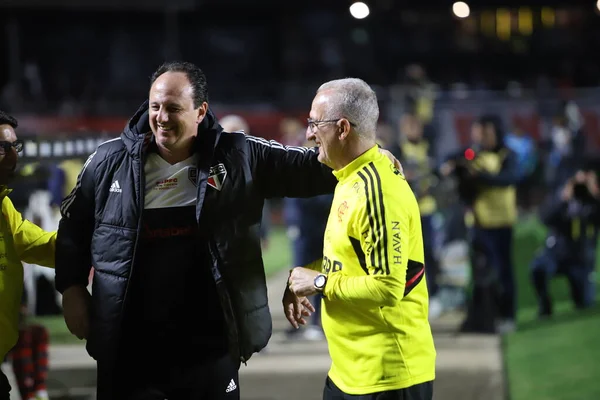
[(33, 244), (288, 171)]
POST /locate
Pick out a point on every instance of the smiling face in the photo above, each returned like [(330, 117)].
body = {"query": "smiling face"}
[(8, 159), (173, 118), (324, 131)]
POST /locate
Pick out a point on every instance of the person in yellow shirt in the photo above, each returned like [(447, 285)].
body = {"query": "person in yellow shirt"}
[(487, 176), (375, 299), (20, 240), (416, 153)]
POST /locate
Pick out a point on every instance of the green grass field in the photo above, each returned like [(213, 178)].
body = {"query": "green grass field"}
[(556, 359)]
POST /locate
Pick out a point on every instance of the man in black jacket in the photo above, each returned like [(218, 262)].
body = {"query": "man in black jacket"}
[(168, 215), (573, 218)]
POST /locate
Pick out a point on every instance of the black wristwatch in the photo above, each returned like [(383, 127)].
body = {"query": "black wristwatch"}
[(320, 282)]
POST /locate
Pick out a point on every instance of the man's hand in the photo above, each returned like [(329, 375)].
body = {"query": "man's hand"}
[(302, 281), (591, 181), (296, 308), (392, 159), (76, 303), (410, 175), (566, 193)]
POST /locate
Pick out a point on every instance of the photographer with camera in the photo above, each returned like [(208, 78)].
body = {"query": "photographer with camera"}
[(487, 175), (573, 217)]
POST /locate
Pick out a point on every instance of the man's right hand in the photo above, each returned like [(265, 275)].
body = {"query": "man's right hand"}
[(566, 193), (76, 303), (296, 308)]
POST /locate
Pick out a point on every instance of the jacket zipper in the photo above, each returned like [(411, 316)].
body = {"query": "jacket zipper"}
[(142, 193)]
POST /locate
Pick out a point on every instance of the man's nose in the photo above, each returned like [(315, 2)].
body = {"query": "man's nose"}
[(309, 134), (162, 115)]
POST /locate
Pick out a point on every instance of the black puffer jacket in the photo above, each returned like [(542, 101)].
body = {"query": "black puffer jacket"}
[(100, 225)]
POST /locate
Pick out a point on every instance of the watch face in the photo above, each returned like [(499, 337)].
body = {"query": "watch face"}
[(320, 281)]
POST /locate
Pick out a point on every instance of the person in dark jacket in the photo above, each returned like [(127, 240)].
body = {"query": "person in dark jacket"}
[(573, 217), (168, 214), (487, 175)]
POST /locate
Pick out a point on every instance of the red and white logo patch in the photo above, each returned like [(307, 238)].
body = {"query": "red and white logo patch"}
[(216, 176)]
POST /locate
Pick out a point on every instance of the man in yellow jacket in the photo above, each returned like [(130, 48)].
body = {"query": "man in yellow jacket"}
[(375, 299), (20, 240)]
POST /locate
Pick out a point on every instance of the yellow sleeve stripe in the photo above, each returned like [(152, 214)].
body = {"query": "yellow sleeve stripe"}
[(376, 212)]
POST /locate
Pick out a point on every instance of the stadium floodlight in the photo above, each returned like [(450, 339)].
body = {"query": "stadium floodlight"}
[(461, 9), (359, 10)]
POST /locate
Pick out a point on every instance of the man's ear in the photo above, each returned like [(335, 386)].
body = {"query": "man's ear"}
[(344, 128), (202, 110)]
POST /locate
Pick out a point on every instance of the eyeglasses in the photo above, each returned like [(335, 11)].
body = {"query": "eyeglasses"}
[(6, 146), (312, 124)]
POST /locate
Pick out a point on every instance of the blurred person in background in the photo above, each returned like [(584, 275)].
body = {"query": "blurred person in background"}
[(30, 357), (487, 174), (62, 179), (305, 220), (292, 132), (181, 246), (416, 154), (525, 149), (420, 94), (372, 268), (235, 123), (572, 215), (386, 136), (566, 146), (22, 241)]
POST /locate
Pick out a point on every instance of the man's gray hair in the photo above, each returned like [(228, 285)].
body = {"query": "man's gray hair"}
[(353, 99)]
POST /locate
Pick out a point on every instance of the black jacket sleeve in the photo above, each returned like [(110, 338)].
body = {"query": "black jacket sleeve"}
[(288, 171), (553, 212), (507, 176), (73, 253)]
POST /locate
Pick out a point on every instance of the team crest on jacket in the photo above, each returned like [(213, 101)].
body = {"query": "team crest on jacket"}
[(342, 210), (216, 176)]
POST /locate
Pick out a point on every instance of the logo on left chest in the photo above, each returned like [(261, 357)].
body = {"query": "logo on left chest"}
[(342, 210), (216, 176)]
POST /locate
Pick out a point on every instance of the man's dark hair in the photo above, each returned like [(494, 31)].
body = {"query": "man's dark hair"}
[(6, 119), (194, 74)]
